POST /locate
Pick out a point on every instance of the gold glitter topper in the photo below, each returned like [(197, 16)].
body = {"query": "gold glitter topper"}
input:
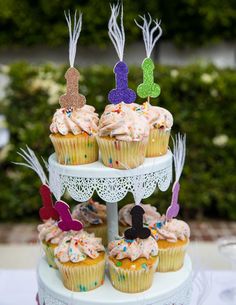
[(72, 97)]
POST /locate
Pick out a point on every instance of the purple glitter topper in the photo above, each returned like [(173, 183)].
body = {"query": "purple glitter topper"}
[(121, 93), (67, 223), (173, 209)]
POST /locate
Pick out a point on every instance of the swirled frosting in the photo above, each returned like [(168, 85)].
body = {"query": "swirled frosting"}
[(123, 123), (50, 232), (75, 121), (77, 247), (173, 230), (157, 117), (151, 215), (122, 248), (90, 212)]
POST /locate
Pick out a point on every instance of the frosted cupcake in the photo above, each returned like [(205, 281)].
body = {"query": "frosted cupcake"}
[(160, 121), (94, 218), (172, 239), (132, 263), (122, 137), (150, 217), (49, 236), (73, 133), (81, 261)]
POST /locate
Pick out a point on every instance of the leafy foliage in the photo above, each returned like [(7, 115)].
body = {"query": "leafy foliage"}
[(28, 22), (201, 99)]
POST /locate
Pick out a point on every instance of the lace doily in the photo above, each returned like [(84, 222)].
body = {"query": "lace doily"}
[(112, 185)]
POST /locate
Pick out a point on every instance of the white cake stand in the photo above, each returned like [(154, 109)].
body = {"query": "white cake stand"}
[(111, 184), (171, 288)]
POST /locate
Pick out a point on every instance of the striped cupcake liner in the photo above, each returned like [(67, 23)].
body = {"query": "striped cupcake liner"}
[(82, 278), (75, 150), (158, 142), (122, 154), (131, 281)]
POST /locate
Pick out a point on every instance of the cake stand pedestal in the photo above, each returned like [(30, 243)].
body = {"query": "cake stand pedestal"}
[(112, 185), (171, 288)]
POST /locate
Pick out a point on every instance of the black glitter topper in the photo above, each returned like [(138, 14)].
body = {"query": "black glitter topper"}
[(137, 230)]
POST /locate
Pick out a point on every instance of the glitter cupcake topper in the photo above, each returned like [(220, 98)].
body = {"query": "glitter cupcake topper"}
[(47, 210), (137, 230), (117, 35), (66, 222), (179, 158), (149, 88), (137, 212), (72, 98)]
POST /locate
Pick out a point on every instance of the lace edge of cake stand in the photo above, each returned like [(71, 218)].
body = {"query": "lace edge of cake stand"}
[(114, 189)]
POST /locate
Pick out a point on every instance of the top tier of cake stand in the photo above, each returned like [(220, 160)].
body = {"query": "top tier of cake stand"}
[(112, 184)]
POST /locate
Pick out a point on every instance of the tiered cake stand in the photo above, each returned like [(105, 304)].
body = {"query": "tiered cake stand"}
[(112, 185)]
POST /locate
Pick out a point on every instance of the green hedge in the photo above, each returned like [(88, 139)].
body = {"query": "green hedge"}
[(185, 22), (201, 98)]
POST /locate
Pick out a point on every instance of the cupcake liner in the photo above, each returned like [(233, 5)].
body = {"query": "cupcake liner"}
[(158, 142), (82, 278), (99, 231), (171, 259), (122, 154), (49, 253), (75, 149), (131, 281)]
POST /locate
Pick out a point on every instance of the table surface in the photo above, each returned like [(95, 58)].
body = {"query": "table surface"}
[(19, 287)]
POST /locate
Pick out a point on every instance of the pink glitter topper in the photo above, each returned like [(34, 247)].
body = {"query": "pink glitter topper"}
[(47, 210), (67, 223)]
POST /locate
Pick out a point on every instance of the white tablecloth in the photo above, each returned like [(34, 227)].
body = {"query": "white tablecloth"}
[(19, 287)]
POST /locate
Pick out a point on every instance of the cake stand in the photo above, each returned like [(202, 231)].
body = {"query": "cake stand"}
[(112, 185), (171, 288)]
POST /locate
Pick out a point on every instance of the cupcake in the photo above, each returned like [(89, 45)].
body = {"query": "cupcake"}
[(122, 137), (93, 216), (150, 217), (81, 261), (172, 239), (73, 135), (132, 263), (49, 236), (160, 121)]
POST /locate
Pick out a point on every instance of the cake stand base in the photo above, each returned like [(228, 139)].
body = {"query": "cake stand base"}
[(172, 288)]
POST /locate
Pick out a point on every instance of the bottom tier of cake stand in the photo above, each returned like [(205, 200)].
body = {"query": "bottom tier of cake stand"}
[(172, 288)]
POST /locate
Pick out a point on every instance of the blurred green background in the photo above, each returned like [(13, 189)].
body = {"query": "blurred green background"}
[(28, 22), (200, 96), (201, 99)]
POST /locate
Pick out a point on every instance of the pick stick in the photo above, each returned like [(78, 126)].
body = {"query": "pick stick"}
[(72, 97), (179, 159), (66, 222), (149, 88), (47, 210), (137, 230), (122, 93)]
